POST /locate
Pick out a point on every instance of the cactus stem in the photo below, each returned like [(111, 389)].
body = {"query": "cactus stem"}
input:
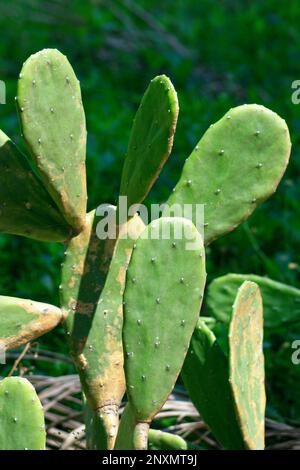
[(140, 437), (109, 416)]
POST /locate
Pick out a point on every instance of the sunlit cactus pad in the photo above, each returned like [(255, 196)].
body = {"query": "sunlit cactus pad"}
[(246, 364), (236, 165), (151, 139), (53, 125), (160, 316)]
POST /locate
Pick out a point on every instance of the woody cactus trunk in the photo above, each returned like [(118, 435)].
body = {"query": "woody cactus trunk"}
[(130, 305)]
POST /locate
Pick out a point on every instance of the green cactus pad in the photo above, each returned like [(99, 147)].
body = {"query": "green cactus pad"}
[(281, 302), (22, 425), (151, 139), (160, 316), (23, 320), (93, 304), (205, 374), (53, 124), (25, 207), (159, 440), (246, 364), (236, 165)]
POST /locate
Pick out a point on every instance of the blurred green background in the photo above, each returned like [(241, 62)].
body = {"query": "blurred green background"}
[(218, 54)]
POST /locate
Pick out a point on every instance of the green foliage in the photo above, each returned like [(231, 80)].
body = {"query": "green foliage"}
[(22, 425)]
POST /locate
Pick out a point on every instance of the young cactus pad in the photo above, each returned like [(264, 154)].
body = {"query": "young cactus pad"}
[(26, 207), (92, 298), (236, 165), (151, 139), (22, 425), (159, 440), (246, 364), (205, 374), (281, 302), (23, 320), (53, 125), (160, 316)]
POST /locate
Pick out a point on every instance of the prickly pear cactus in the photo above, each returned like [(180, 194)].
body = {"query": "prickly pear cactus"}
[(160, 316), (53, 125), (205, 374), (92, 299), (281, 302), (26, 207), (151, 139), (236, 165), (22, 425), (23, 320), (246, 364)]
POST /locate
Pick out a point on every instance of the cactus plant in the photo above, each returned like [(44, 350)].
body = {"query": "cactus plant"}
[(229, 391), (281, 302), (246, 150), (22, 425)]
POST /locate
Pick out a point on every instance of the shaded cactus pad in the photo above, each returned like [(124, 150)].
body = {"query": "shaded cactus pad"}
[(25, 206), (281, 302), (205, 374), (22, 425)]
